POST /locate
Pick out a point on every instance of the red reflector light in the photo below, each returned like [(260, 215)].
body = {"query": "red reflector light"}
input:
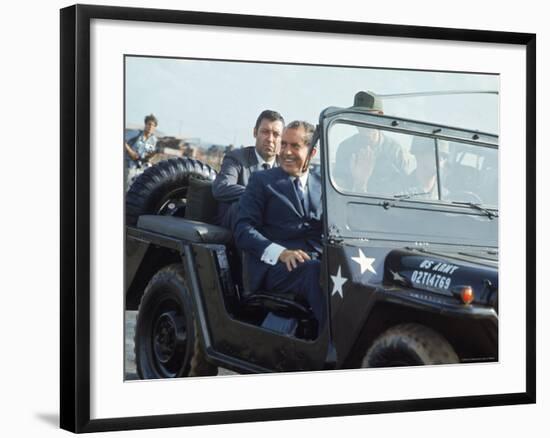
[(467, 294)]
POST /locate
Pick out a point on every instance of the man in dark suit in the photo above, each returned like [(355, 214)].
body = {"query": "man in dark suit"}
[(279, 222), (239, 164)]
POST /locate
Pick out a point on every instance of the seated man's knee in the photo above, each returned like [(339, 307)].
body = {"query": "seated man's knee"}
[(315, 267), (311, 272), (311, 266)]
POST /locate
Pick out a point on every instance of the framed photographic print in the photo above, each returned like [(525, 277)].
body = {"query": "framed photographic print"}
[(272, 218)]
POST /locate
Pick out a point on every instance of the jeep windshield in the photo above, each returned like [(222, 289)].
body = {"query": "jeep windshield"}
[(407, 180), (366, 160)]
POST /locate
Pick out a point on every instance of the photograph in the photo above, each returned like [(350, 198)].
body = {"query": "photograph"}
[(275, 219), (292, 218), (285, 217)]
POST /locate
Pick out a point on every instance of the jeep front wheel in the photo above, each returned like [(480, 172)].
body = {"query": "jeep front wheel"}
[(409, 345), (166, 341)]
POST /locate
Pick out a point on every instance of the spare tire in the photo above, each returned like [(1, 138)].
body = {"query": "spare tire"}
[(162, 188)]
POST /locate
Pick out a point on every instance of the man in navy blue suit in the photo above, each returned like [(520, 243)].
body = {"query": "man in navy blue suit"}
[(239, 164), (279, 222)]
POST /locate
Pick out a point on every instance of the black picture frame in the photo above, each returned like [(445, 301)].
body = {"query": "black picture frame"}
[(75, 216)]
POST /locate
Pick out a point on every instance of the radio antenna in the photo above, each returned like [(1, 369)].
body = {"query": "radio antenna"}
[(435, 93)]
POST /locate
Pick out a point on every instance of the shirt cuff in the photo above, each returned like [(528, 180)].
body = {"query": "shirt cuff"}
[(271, 254)]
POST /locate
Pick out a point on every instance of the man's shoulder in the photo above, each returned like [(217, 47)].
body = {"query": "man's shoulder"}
[(355, 139), (268, 176), (390, 143), (242, 153), (132, 140), (244, 157)]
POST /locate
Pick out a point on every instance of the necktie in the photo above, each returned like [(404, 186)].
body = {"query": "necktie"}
[(266, 166), (300, 192)]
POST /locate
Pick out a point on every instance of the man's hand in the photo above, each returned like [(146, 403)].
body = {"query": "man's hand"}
[(291, 257), (133, 154)]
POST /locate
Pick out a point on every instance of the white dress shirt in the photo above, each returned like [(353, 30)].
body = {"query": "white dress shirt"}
[(261, 161)]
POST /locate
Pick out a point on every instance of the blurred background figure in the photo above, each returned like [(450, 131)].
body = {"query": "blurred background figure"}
[(139, 149)]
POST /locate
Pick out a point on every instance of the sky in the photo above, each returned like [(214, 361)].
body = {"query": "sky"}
[(218, 101)]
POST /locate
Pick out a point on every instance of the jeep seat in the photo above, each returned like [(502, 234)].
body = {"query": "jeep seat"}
[(185, 229), (287, 304), (287, 313)]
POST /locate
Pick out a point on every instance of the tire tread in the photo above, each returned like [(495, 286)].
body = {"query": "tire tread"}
[(430, 347)]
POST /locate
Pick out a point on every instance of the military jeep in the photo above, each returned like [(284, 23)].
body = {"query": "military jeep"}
[(409, 266)]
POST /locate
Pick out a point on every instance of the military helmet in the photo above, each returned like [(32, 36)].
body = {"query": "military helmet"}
[(368, 100)]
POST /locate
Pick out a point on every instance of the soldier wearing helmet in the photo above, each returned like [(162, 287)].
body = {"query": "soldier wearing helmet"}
[(370, 161)]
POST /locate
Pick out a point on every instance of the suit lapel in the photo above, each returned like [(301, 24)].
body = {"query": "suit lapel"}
[(284, 189), (295, 198), (249, 164), (252, 159), (314, 194), (292, 194)]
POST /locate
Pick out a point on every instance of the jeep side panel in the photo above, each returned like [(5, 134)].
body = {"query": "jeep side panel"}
[(233, 342), (229, 340), (146, 253)]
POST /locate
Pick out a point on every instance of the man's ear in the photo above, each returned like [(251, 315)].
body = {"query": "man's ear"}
[(255, 132)]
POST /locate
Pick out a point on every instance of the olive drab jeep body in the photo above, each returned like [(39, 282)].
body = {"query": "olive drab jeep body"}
[(409, 269)]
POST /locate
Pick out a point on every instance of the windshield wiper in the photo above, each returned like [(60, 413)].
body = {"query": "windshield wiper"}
[(478, 207), (411, 195)]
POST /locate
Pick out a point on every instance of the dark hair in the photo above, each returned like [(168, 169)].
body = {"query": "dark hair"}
[(308, 128), (151, 118), (270, 115)]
